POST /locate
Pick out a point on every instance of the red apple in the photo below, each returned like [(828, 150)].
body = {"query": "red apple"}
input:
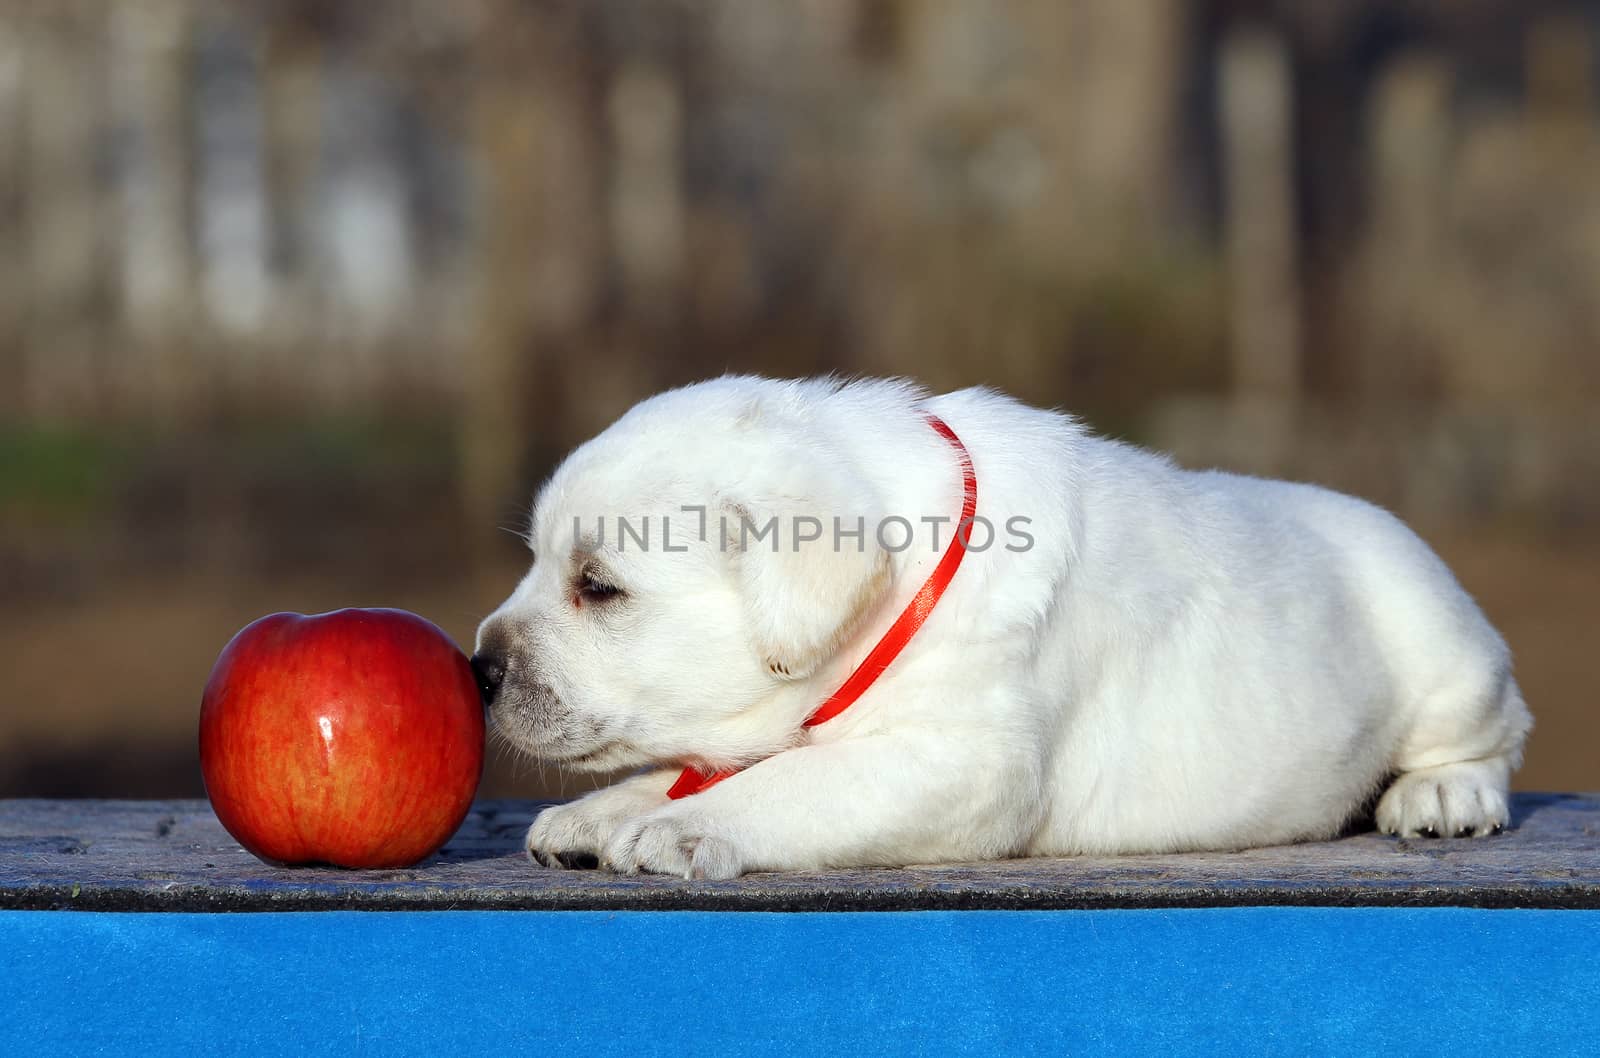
[(353, 738)]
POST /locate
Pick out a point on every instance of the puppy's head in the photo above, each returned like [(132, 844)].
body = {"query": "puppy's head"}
[(686, 581)]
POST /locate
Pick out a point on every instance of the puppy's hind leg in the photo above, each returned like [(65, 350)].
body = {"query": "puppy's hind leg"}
[(1456, 768), (1462, 800)]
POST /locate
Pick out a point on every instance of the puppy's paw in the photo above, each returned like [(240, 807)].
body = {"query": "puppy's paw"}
[(572, 835), (671, 841), (1451, 801), (567, 835)]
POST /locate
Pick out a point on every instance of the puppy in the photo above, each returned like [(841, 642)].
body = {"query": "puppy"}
[(1130, 658)]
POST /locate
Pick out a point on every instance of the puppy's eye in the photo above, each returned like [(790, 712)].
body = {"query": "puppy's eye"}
[(593, 588)]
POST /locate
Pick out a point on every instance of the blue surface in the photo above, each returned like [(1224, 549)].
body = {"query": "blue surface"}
[(1235, 981)]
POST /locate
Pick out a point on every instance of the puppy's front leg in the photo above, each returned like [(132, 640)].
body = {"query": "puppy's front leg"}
[(881, 800), (572, 834)]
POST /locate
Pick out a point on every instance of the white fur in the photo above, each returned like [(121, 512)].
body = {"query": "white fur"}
[(1181, 660)]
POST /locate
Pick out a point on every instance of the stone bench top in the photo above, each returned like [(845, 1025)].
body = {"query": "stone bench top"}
[(175, 856)]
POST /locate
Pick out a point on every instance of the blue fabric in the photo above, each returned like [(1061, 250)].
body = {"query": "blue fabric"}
[(1234, 982)]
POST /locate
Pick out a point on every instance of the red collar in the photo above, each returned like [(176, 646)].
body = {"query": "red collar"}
[(692, 781)]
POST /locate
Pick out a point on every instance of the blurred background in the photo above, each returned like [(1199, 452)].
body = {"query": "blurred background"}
[(300, 300)]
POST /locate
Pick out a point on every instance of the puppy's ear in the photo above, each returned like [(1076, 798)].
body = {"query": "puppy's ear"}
[(805, 587)]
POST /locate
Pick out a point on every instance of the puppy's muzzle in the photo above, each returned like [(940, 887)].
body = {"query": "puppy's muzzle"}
[(497, 643), (490, 672)]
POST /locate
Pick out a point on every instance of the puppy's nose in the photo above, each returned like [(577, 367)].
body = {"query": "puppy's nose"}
[(490, 671)]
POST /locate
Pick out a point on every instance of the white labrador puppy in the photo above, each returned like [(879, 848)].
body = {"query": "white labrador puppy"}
[(1131, 657)]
